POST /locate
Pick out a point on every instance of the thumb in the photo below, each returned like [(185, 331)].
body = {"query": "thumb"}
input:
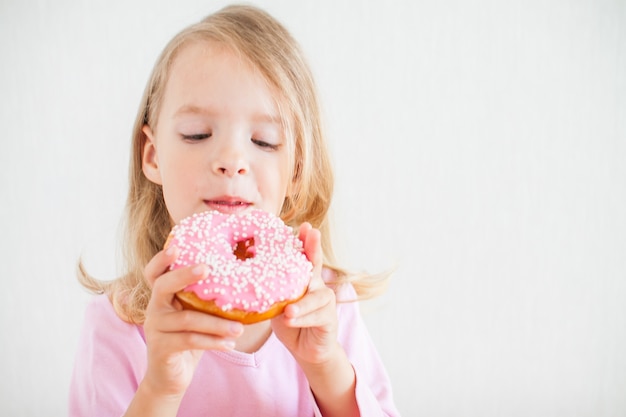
[(159, 264), (312, 241)]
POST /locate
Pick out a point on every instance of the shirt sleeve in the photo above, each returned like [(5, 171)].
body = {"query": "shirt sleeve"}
[(373, 387), (109, 364)]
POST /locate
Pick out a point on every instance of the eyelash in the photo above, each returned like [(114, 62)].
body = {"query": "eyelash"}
[(201, 136), (196, 137), (265, 145)]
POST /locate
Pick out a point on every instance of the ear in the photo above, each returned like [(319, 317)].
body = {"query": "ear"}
[(149, 158)]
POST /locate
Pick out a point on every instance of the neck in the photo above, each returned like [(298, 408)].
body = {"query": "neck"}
[(254, 336)]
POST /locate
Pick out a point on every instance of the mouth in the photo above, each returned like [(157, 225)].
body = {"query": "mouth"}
[(228, 205)]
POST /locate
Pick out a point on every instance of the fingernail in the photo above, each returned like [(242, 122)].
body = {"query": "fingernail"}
[(293, 311), (199, 270), (171, 250), (236, 328), (228, 344)]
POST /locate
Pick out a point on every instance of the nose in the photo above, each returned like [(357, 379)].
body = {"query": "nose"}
[(230, 160)]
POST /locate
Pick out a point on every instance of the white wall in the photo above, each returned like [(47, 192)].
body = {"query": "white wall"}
[(480, 148)]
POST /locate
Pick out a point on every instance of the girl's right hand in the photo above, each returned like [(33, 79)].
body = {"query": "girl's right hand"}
[(176, 338)]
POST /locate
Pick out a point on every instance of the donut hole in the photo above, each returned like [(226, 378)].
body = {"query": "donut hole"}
[(244, 249)]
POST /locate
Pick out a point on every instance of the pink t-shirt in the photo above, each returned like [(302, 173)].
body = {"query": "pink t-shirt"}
[(111, 362)]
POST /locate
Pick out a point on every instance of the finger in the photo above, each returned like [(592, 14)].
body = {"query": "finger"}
[(304, 229), (312, 241), (174, 281), (312, 247), (199, 341), (197, 322), (182, 341), (159, 264), (308, 310), (313, 251)]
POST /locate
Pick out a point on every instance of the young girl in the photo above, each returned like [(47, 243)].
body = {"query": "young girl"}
[(229, 121)]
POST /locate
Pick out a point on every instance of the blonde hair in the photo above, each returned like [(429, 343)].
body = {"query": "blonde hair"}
[(268, 46)]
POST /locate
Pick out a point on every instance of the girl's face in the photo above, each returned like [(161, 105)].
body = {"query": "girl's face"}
[(219, 142)]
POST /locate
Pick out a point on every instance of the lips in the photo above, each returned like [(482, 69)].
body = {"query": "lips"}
[(228, 204)]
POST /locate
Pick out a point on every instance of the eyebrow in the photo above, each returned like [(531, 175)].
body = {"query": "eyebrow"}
[(207, 111)]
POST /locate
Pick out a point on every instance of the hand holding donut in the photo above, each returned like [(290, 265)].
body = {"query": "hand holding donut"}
[(308, 327), (177, 334), (257, 270), (176, 337)]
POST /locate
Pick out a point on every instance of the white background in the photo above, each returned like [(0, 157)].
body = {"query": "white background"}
[(480, 148)]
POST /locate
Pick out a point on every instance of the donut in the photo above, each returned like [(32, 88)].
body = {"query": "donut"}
[(256, 264)]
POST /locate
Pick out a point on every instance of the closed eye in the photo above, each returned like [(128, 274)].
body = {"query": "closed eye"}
[(265, 145), (196, 137)]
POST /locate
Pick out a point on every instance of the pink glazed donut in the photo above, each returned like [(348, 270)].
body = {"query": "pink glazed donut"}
[(256, 264)]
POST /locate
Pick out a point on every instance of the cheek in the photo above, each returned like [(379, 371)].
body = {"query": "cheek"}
[(273, 181), (181, 167), (180, 179), (283, 176)]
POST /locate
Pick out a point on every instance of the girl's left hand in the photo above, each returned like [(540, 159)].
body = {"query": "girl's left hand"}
[(308, 327)]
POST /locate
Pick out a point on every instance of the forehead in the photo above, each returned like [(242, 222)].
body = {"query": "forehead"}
[(207, 74)]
